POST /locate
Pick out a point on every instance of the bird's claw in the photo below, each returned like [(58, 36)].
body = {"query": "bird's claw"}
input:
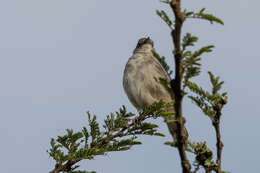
[(135, 119)]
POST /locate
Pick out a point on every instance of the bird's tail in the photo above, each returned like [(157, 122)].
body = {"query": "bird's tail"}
[(172, 125)]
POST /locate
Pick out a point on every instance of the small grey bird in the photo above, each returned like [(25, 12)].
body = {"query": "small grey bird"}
[(141, 80)]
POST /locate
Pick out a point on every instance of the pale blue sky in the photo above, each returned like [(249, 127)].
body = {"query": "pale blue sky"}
[(61, 58)]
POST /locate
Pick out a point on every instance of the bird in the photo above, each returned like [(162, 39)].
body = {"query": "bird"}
[(141, 81)]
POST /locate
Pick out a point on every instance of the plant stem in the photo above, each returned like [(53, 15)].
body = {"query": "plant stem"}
[(66, 167), (219, 145), (177, 83)]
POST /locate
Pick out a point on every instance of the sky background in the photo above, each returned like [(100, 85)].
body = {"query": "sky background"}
[(61, 58)]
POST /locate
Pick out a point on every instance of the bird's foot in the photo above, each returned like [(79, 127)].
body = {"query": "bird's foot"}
[(135, 119)]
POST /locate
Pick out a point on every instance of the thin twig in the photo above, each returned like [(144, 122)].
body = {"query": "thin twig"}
[(68, 165), (219, 147), (219, 144)]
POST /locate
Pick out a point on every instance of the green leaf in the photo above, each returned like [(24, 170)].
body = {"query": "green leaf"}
[(191, 60), (161, 60), (162, 14), (94, 127), (120, 134), (188, 40), (169, 143), (203, 105), (205, 16), (202, 50), (166, 1), (216, 85)]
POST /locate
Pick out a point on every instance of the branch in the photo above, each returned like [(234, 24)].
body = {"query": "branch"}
[(67, 166), (217, 107), (73, 147), (211, 104), (216, 124), (219, 146), (187, 66), (176, 84)]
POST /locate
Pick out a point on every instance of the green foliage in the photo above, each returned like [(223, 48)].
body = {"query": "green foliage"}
[(166, 85), (202, 50), (166, 67), (209, 103), (166, 1), (188, 40), (94, 128), (191, 60), (145, 129), (162, 14), (161, 60), (205, 16), (216, 85), (119, 134), (157, 109), (191, 66), (120, 130), (171, 143), (204, 156), (115, 121)]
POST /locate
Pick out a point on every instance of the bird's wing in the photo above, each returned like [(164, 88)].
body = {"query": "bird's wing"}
[(155, 73)]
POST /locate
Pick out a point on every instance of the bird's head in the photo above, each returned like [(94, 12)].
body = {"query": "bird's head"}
[(144, 45)]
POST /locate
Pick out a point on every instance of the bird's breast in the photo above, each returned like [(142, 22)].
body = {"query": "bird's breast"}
[(135, 71), (135, 77)]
